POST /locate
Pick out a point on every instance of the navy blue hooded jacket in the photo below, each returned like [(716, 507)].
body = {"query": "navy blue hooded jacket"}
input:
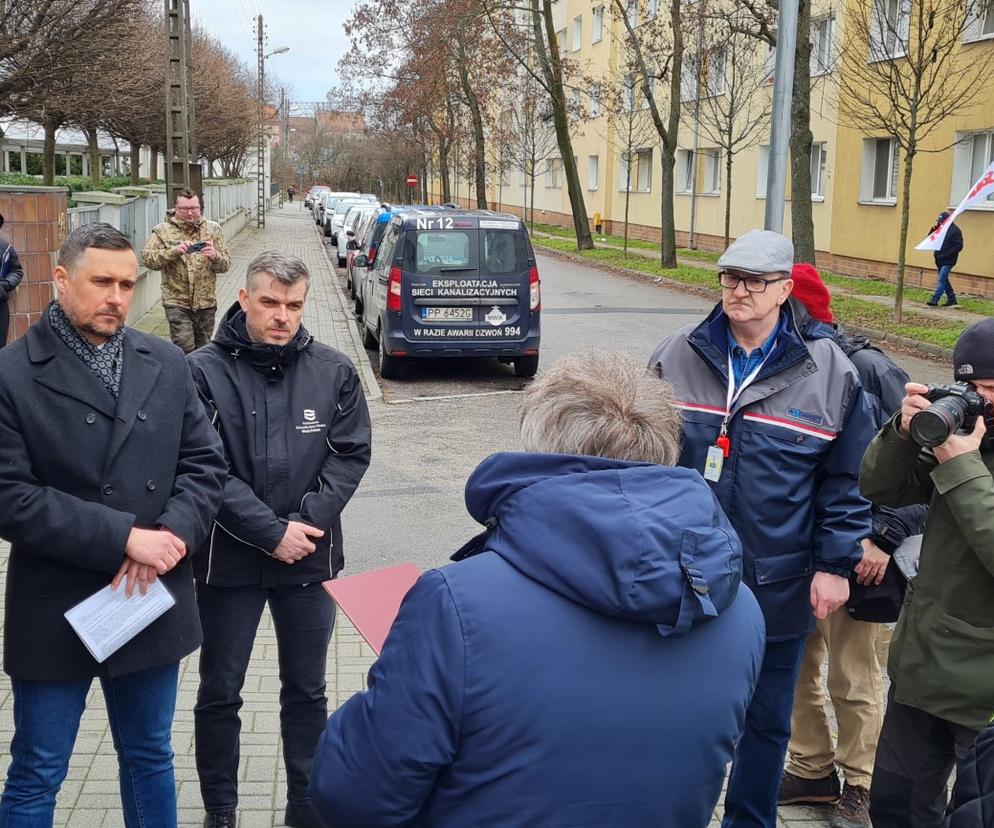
[(590, 666)]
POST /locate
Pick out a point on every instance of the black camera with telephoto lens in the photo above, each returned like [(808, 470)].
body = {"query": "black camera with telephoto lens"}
[(954, 408)]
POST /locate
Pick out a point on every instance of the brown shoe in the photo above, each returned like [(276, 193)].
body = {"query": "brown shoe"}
[(797, 791), (853, 808)]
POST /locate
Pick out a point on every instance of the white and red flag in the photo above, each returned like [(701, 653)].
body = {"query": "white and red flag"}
[(978, 192)]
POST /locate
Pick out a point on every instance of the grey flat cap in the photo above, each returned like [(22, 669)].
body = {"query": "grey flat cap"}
[(759, 251)]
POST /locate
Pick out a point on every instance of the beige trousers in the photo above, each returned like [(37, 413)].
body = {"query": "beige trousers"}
[(855, 685)]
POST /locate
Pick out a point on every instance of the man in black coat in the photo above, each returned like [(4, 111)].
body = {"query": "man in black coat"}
[(109, 473), (945, 260), (295, 427)]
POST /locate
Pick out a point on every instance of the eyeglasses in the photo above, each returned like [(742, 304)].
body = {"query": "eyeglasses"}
[(753, 284), (194, 209)]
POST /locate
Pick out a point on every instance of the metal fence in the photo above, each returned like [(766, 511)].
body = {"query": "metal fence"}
[(78, 216)]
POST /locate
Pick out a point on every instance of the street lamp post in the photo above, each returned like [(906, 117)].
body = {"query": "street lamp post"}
[(261, 154), (783, 83)]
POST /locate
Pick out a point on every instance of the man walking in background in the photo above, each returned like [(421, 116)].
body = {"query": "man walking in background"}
[(945, 260), (190, 251)]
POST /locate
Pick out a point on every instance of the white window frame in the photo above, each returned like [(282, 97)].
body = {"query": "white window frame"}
[(714, 79), (632, 13), (684, 183), (762, 169), (643, 181), (712, 171), (819, 166), (889, 32), (593, 172), (597, 25), (969, 153), (563, 43), (596, 93), (868, 172), (822, 45), (553, 173), (652, 9), (979, 26), (577, 36), (629, 88), (688, 78), (626, 165)]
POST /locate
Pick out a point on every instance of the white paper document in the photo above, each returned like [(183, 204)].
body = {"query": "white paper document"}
[(109, 619)]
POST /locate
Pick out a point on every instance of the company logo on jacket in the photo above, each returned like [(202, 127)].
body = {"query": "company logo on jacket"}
[(310, 424)]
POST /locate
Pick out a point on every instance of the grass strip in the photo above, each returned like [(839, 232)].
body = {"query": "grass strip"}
[(849, 310)]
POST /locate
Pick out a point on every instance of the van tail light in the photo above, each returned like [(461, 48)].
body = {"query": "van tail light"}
[(372, 256), (393, 290), (534, 290)]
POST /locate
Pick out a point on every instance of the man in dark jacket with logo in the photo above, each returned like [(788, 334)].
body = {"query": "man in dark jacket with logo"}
[(855, 682), (588, 660), (109, 471), (945, 260), (295, 427), (10, 277), (941, 661), (777, 424)]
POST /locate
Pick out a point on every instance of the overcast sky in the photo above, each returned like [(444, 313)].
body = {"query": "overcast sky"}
[(311, 28)]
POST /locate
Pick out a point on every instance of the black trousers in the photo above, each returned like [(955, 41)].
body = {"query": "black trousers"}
[(915, 757), (303, 617), (4, 321)]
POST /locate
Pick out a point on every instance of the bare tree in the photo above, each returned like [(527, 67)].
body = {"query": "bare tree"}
[(731, 108), (656, 51), (905, 73)]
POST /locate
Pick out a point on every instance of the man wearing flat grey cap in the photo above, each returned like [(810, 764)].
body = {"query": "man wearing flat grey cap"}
[(777, 424)]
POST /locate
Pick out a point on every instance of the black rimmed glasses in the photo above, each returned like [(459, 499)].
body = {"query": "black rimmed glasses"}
[(754, 284)]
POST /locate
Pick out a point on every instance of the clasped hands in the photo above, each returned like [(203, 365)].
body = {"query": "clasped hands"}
[(148, 554)]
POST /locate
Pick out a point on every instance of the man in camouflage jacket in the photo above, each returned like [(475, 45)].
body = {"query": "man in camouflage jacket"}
[(190, 251)]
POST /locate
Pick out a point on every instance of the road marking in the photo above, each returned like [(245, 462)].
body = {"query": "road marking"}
[(452, 397)]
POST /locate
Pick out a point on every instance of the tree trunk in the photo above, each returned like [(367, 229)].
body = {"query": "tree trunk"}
[(135, 163), (96, 168), (909, 160), (443, 169), (479, 140), (667, 247), (728, 197), (628, 198), (48, 153), (153, 166), (560, 118), (802, 226), (533, 198)]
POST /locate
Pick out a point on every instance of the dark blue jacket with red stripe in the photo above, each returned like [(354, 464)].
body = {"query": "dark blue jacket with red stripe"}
[(789, 485)]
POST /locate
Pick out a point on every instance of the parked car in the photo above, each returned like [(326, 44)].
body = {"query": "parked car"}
[(311, 194), (333, 217), (316, 200), (355, 243), (350, 222), (453, 283), (322, 205)]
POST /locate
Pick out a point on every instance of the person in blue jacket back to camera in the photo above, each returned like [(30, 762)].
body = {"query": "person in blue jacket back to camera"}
[(589, 658)]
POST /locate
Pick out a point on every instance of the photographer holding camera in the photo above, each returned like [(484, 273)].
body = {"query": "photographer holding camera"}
[(190, 251), (938, 450)]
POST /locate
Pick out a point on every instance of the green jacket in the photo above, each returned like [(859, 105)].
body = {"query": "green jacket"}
[(187, 281), (942, 654)]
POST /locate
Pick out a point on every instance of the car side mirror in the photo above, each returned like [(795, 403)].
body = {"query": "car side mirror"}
[(351, 245), (350, 232), (361, 261)]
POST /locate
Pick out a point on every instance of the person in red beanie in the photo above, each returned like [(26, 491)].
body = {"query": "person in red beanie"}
[(854, 676)]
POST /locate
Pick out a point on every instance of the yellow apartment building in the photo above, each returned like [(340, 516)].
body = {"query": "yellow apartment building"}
[(855, 177)]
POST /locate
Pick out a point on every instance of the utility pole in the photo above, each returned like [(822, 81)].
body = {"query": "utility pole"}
[(783, 84), (699, 69), (261, 154), (181, 151)]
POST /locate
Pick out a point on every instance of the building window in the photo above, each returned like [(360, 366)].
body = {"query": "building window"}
[(563, 45), (574, 100), (652, 9), (822, 34), (819, 156), (577, 41), (878, 175), (595, 99), (688, 78), (889, 28), (627, 93), (980, 23), (645, 170), (597, 25), (522, 178), (553, 173), (972, 155), (632, 13), (684, 171), (626, 164), (712, 171), (762, 169), (593, 170), (715, 80)]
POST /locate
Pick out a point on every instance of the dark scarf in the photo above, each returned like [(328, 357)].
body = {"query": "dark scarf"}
[(106, 362)]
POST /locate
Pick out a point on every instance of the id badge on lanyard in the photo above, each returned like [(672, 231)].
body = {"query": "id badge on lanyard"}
[(722, 448)]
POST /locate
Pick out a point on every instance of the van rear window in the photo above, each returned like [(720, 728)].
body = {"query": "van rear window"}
[(434, 252), (504, 251)]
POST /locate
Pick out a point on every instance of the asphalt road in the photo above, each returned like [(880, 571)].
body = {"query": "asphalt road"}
[(432, 429)]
